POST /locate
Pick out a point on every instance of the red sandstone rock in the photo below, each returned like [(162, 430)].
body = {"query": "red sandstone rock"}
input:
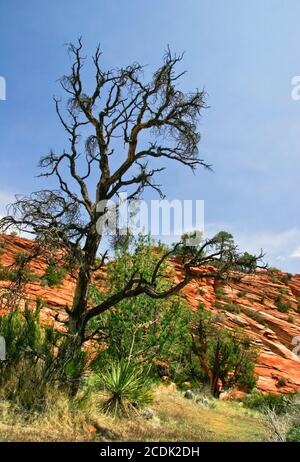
[(268, 328)]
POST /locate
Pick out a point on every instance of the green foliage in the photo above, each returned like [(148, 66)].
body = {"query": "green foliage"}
[(190, 244), (247, 262), (293, 434), (274, 274), (241, 293), (223, 247), (6, 274), (224, 355), (286, 278), (11, 274), (232, 308), (219, 306), (127, 386), (54, 275), (259, 401), (282, 306), (140, 328), (283, 290), (22, 374), (37, 359), (220, 293), (254, 315), (281, 382), (224, 242)]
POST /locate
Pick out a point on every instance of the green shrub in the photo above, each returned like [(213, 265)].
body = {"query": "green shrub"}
[(225, 356), (259, 401), (241, 293), (128, 388), (293, 434), (22, 373), (233, 308), (140, 328), (10, 274), (283, 290), (38, 359), (219, 306), (220, 293), (54, 275), (254, 315), (286, 278), (282, 306), (247, 262), (6, 274), (298, 305), (281, 382)]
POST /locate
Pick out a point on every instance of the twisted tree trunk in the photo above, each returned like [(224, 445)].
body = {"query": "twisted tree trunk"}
[(77, 313)]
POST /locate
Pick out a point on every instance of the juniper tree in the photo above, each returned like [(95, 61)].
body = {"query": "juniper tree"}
[(226, 356)]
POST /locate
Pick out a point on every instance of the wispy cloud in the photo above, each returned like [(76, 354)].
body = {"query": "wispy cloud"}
[(280, 247), (295, 253)]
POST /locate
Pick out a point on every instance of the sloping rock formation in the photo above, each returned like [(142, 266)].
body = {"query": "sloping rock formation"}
[(265, 305)]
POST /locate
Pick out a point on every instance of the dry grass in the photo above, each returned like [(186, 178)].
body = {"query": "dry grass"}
[(183, 420), (176, 419)]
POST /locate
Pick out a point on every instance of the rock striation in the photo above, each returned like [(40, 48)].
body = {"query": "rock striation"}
[(265, 304)]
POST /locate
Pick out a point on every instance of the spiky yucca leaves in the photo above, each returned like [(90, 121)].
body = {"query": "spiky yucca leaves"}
[(127, 388)]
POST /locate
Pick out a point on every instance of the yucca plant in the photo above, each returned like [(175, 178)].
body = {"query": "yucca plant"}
[(127, 388)]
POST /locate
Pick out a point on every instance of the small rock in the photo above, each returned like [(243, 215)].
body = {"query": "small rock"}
[(204, 401), (148, 413), (90, 428), (189, 394)]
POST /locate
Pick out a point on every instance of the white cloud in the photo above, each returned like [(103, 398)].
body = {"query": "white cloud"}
[(280, 247), (296, 253)]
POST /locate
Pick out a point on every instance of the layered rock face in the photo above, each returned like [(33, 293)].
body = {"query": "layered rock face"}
[(264, 304)]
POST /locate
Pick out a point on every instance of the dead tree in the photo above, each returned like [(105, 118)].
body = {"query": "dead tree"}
[(117, 135)]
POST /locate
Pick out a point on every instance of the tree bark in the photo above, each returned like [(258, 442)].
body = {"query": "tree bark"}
[(214, 386), (214, 377), (79, 308)]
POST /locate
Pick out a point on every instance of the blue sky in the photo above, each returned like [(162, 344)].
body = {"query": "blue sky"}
[(244, 53)]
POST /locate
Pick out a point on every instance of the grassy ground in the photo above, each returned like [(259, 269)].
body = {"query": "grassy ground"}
[(176, 419)]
